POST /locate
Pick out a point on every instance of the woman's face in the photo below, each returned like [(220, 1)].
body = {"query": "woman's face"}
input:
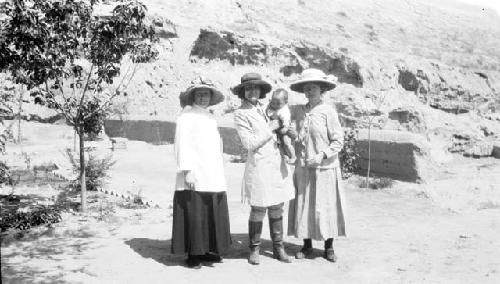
[(312, 91), (252, 93), (202, 97)]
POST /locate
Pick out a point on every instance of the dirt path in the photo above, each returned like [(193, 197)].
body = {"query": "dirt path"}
[(393, 238), (406, 234)]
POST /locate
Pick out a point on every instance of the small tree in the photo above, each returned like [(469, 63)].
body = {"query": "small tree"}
[(5, 129), (71, 57), (379, 101), (5, 134)]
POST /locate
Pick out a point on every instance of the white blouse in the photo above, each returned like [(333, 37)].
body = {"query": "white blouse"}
[(198, 148)]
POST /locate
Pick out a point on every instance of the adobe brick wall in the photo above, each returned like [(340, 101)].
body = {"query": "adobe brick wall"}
[(161, 131), (395, 154)]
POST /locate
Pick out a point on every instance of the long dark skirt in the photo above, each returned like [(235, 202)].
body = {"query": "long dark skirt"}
[(200, 222)]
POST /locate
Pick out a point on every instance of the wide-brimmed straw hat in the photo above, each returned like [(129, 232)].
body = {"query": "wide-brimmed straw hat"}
[(312, 75), (252, 79), (187, 97)]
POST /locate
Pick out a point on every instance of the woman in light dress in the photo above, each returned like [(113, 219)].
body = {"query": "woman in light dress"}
[(318, 210)]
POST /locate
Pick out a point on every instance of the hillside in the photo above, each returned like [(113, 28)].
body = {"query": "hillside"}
[(427, 72), (428, 67), (422, 66)]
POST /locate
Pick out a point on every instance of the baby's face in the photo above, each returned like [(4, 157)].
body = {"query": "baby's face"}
[(277, 102)]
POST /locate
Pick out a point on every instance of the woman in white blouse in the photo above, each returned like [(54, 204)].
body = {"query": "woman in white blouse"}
[(267, 181), (200, 212)]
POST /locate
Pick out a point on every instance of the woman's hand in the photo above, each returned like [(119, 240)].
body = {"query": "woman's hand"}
[(190, 180), (316, 160)]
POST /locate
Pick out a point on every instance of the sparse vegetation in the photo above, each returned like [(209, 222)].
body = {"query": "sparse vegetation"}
[(96, 169), (5, 111), (71, 57), (5, 175), (11, 217), (350, 154), (379, 101), (377, 183)]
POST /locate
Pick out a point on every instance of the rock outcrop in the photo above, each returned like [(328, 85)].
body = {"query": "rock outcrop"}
[(292, 57), (450, 89)]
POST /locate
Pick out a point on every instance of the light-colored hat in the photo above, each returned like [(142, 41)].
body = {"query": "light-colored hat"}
[(312, 75), (252, 79), (187, 97)]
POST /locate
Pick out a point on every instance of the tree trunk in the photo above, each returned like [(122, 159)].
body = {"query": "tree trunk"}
[(74, 141), (83, 184), (19, 114), (369, 156)]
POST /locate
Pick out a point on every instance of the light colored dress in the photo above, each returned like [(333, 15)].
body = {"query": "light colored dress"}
[(318, 210), (198, 149), (267, 179)]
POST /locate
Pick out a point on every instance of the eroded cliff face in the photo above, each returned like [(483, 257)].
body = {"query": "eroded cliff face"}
[(427, 67), (402, 93)]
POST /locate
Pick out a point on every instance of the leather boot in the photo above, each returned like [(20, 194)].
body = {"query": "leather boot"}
[(306, 251), (276, 230), (254, 232)]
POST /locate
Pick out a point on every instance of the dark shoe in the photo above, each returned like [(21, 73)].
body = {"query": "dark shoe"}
[(330, 255), (193, 261), (276, 230), (211, 257), (305, 252), (254, 232)]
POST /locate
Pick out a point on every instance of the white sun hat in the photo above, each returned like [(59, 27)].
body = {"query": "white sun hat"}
[(187, 97), (312, 75)]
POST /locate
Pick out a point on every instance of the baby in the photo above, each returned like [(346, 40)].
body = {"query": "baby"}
[(278, 109)]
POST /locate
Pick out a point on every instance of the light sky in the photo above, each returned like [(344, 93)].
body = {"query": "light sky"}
[(494, 4)]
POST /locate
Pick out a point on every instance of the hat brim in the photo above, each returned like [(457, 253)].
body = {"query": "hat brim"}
[(265, 87), (187, 97), (325, 85)]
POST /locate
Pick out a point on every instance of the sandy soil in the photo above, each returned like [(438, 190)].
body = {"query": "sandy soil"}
[(439, 232)]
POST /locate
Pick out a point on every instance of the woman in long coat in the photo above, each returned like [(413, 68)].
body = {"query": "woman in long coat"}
[(318, 210), (267, 181), (200, 218)]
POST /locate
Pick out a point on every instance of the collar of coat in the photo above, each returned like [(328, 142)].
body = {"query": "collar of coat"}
[(247, 105)]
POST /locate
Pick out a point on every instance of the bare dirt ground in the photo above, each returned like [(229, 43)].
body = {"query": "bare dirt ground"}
[(443, 231)]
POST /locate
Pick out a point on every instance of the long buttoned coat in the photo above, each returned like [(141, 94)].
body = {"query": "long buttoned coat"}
[(267, 179)]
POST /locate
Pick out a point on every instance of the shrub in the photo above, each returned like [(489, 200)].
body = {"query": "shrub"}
[(377, 183), (349, 155), (5, 175), (96, 170), (36, 216)]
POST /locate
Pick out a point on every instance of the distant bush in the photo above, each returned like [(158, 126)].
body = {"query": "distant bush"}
[(39, 215), (350, 154), (377, 183), (96, 170), (5, 175)]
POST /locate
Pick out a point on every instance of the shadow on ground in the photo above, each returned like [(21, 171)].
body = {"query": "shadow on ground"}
[(25, 270), (159, 250)]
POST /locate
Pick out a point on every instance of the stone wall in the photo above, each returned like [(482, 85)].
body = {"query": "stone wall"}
[(160, 132), (395, 154)]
